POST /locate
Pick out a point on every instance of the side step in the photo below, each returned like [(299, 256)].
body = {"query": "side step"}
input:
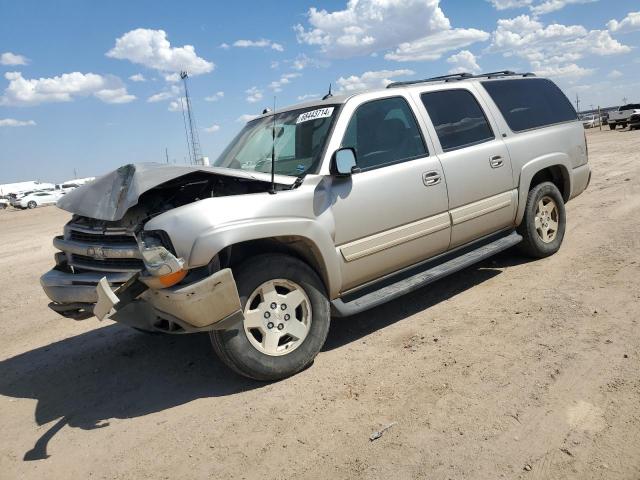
[(430, 274)]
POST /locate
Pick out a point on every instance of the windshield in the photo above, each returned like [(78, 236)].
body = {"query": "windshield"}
[(297, 140)]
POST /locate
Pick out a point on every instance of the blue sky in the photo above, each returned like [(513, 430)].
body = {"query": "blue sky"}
[(91, 85)]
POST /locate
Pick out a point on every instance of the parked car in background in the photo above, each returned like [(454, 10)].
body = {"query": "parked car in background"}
[(590, 120), (623, 115), (4, 203), (37, 199), (634, 121)]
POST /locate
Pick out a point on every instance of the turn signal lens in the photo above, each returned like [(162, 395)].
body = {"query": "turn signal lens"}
[(171, 279)]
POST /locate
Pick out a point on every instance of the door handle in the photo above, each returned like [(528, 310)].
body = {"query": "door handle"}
[(431, 178), (496, 161)]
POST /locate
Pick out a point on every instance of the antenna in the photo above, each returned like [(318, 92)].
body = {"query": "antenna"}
[(193, 129), (328, 95), (273, 150)]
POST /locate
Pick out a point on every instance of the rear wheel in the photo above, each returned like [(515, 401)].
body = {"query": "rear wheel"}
[(612, 126), (544, 221), (286, 319), (32, 204)]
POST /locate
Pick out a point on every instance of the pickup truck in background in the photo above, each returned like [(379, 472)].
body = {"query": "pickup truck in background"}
[(623, 115)]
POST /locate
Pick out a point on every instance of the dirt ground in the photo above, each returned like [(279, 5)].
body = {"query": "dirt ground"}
[(510, 369)]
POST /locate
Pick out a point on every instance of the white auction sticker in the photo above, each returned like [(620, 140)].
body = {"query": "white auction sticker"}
[(313, 114)]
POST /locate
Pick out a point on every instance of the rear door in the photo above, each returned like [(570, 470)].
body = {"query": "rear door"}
[(476, 163)]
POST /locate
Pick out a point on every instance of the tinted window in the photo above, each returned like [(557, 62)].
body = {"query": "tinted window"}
[(458, 118), (382, 132), (631, 106), (530, 102)]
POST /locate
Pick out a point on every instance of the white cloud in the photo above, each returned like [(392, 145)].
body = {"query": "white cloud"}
[(303, 61), (570, 70), (254, 94), (552, 49), (215, 97), (12, 122), (116, 95), (628, 24), (225, 46), (368, 26), (246, 118), (213, 128), (506, 4), (138, 77), (169, 94), (434, 46), (549, 6), (24, 92), (613, 74), (152, 49), (8, 58), (463, 61), (262, 43), (285, 79), (307, 96), (370, 80), (175, 106)]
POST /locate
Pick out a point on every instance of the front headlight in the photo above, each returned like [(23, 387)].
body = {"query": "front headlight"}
[(163, 267)]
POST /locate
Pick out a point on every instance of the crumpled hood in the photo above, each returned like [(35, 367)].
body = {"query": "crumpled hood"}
[(110, 196)]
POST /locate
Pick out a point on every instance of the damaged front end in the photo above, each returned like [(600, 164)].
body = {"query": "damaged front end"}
[(110, 267)]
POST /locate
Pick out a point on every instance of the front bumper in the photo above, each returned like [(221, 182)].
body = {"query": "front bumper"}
[(212, 303)]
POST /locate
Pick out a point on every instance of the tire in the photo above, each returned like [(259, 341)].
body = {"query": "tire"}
[(32, 204), (612, 126), (263, 281), (540, 239), (623, 125)]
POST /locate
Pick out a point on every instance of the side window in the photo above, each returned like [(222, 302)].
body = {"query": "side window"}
[(530, 102), (383, 132), (458, 118)]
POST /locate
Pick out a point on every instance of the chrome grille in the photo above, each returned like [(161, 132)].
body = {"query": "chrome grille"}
[(83, 236)]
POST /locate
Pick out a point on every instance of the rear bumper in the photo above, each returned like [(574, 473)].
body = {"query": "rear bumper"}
[(209, 304)]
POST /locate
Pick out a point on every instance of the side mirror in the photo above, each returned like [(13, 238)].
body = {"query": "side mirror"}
[(344, 162)]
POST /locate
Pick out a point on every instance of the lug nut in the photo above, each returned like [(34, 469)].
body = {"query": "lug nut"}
[(267, 314), (270, 325), (287, 316), (280, 326), (283, 306), (274, 305)]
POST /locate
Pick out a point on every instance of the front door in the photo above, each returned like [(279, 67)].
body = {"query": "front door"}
[(393, 212), (476, 164)]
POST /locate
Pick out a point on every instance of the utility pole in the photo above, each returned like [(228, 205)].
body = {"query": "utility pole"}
[(624, 100), (75, 174), (577, 103), (166, 154)]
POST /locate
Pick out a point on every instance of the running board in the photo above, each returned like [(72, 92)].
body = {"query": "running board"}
[(432, 273)]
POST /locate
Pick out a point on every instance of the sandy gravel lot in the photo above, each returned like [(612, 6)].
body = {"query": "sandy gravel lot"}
[(510, 369)]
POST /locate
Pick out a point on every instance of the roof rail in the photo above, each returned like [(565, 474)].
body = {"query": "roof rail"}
[(461, 76)]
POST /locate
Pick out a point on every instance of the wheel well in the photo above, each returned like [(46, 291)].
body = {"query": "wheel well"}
[(556, 175), (298, 247)]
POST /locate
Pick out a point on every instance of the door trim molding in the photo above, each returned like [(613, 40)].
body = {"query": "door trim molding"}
[(394, 237), (477, 209)]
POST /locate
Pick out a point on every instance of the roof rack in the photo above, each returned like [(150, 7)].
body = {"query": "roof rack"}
[(461, 76)]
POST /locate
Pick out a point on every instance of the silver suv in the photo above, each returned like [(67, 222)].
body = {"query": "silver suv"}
[(323, 209)]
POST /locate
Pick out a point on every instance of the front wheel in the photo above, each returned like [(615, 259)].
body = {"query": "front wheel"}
[(286, 319), (32, 204), (544, 221)]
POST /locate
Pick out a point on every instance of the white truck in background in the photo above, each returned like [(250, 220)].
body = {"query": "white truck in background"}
[(623, 114)]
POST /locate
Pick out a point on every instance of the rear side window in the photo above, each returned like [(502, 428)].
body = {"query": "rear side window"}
[(458, 118), (530, 102)]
